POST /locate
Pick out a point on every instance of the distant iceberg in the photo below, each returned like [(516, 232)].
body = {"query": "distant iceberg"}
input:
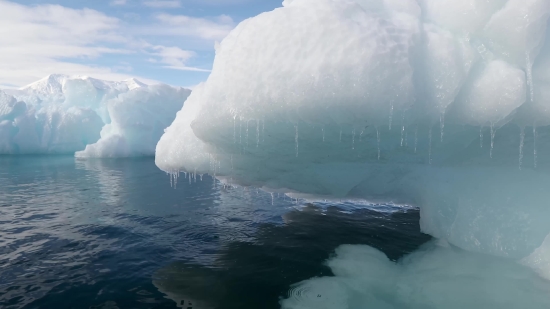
[(443, 105), (63, 114)]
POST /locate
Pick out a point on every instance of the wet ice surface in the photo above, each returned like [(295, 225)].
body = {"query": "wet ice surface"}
[(114, 234)]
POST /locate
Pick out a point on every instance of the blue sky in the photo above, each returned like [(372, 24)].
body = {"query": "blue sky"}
[(169, 41)]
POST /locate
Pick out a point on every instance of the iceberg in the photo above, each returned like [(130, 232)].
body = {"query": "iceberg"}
[(63, 114), (443, 105)]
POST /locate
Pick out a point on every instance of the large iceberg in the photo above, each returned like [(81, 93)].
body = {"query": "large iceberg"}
[(62, 115), (444, 105)]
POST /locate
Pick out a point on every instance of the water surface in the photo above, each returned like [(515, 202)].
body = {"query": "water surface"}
[(115, 234)]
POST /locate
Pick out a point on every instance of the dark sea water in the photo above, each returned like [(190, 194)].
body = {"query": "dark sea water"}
[(115, 234)]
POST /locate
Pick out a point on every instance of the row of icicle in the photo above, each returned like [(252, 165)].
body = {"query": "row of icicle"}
[(404, 138)]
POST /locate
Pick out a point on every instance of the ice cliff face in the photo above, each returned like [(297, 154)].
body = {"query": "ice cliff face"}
[(62, 115), (439, 104)]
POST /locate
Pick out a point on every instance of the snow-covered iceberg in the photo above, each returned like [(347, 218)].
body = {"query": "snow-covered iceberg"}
[(440, 104), (62, 115)]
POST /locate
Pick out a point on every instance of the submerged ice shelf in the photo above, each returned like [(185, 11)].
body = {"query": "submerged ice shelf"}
[(63, 115), (430, 103)]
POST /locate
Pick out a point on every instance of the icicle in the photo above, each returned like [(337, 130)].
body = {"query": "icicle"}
[(402, 133), (430, 146), (492, 140), (189, 178), (442, 125), (247, 134), (296, 139), (323, 130), (361, 135), (529, 76), (378, 142), (534, 145), (263, 130), (340, 135), (353, 139), (257, 133), (391, 115), (521, 142), (480, 136), (415, 138), (201, 176), (234, 130), (272, 198)]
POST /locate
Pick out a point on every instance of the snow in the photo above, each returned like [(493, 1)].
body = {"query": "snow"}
[(62, 114), (409, 102)]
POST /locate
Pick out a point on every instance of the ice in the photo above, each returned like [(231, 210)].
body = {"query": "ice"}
[(437, 276), (461, 66), (51, 129), (63, 114), (138, 119)]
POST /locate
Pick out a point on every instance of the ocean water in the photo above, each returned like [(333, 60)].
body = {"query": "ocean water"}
[(116, 234)]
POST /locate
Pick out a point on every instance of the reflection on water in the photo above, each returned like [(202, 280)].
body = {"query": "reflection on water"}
[(114, 234), (257, 273)]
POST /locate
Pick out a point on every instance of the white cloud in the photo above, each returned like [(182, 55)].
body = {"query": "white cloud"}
[(162, 3), (40, 40), (118, 2), (181, 25), (174, 58)]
